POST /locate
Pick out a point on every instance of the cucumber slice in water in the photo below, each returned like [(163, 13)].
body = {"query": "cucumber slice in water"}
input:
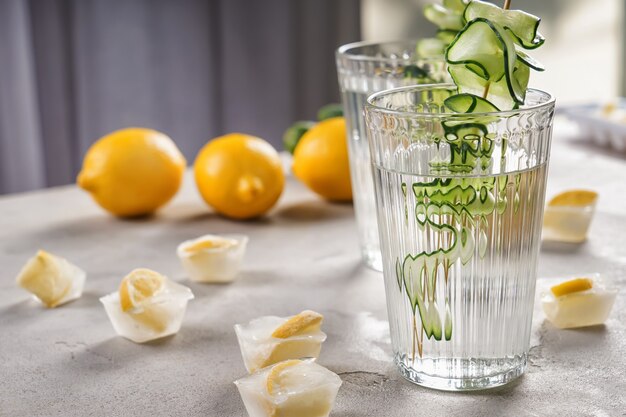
[(469, 103), (521, 25), (443, 18)]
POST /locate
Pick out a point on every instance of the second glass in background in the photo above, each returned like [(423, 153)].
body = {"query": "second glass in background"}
[(365, 68)]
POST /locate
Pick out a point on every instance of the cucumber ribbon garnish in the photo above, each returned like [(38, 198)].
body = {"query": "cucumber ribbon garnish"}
[(485, 49)]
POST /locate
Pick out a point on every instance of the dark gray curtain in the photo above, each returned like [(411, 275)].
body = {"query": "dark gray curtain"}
[(71, 71)]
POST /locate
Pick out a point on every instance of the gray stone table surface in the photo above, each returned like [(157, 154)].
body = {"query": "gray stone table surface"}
[(304, 255)]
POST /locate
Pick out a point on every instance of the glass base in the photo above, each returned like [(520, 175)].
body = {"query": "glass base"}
[(493, 373), (373, 259)]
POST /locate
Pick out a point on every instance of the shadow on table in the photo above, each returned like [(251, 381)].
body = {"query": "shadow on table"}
[(22, 308), (117, 352), (29, 307), (314, 211), (582, 339)]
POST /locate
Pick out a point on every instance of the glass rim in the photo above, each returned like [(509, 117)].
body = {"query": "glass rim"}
[(344, 52), (549, 102)]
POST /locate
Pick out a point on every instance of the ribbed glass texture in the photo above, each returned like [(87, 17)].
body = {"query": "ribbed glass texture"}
[(460, 204), (365, 68)]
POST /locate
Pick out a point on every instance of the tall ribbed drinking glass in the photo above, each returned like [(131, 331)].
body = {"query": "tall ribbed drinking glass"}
[(460, 204), (365, 68)]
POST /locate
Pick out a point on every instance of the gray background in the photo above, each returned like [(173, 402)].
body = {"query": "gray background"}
[(72, 71)]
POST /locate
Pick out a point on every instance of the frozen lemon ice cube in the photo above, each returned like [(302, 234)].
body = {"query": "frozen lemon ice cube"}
[(294, 388), (213, 258), (147, 306), (578, 302), (51, 279), (568, 215), (270, 339)]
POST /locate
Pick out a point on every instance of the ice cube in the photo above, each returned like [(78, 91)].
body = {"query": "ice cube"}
[(153, 317), (213, 258), (567, 216), (580, 307), (293, 388), (270, 339), (51, 279)]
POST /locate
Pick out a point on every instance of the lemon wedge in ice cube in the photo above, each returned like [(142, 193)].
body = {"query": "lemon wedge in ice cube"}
[(294, 388), (138, 286), (201, 245), (268, 340), (305, 322), (568, 215), (579, 302), (572, 286), (147, 306), (52, 279), (574, 198), (274, 380), (212, 258)]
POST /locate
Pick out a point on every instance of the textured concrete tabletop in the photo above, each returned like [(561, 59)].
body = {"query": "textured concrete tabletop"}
[(69, 362)]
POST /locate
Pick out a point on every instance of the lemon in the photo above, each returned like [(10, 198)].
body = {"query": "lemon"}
[(239, 175), (304, 322), (133, 171), (299, 389), (320, 160), (572, 286), (202, 245), (574, 198), (138, 286), (274, 383)]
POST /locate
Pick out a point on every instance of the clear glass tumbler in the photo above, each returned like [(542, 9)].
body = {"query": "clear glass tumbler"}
[(460, 202), (365, 68)]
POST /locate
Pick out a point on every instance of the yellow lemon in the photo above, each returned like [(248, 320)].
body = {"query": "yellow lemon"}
[(138, 286), (320, 160), (572, 286), (274, 382), (239, 175), (133, 171), (306, 321)]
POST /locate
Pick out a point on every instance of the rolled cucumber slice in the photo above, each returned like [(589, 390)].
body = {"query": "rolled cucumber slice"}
[(446, 35), (482, 61), (443, 18), (521, 25), (469, 103), (484, 48), (529, 61), (430, 48), (455, 5)]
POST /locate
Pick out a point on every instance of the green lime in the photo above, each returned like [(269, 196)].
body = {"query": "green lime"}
[(329, 110), (292, 135)]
